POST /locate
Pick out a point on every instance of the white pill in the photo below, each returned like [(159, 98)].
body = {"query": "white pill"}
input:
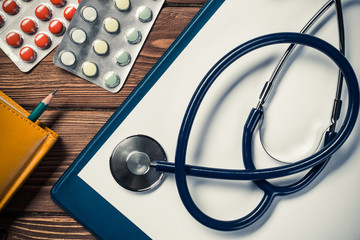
[(122, 58), (122, 5), (100, 47), (89, 14), (144, 14), (89, 69), (133, 36), (111, 25), (67, 58), (78, 36), (111, 79)]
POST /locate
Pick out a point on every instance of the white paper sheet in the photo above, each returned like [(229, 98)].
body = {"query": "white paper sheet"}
[(296, 116)]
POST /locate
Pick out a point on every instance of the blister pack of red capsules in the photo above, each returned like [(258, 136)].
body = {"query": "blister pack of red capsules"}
[(31, 29)]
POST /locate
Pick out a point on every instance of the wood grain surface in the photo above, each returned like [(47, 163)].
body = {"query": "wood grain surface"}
[(76, 113)]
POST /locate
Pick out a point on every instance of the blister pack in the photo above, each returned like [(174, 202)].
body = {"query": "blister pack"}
[(104, 39), (31, 29)]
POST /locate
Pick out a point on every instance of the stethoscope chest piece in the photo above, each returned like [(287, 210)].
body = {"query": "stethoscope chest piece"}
[(130, 163)]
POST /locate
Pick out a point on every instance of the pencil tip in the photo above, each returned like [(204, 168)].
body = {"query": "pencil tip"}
[(54, 92)]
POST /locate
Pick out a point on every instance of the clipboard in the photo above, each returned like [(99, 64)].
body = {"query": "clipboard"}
[(73, 194), (87, 192)]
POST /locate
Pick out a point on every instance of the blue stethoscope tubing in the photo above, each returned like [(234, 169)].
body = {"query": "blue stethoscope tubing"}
[(333, 141)]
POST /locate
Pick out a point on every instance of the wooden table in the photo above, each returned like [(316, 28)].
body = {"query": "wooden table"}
[(76, 113)]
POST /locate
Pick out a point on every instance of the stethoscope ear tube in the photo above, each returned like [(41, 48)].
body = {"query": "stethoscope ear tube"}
[(267, 187), (350, 118), (250, 172)]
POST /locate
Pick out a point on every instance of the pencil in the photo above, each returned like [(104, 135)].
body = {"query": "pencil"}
[(41, 107)]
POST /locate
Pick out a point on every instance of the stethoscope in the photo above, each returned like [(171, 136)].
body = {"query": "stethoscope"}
[(138, 163)]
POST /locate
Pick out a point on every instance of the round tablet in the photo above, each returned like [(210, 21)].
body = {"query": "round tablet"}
[(122, 58), (89, 14), (42, 40), (100, 47), (133, 36), (27, 54), (56, 27), (28, 26), (111, 25), (122, 5), (144, 14), (67, 58), (10, 7), (69, 12), (89, 69), (111, 79), (2, 21), (78, 36), (14, 39), (58, 3), (42, 12)]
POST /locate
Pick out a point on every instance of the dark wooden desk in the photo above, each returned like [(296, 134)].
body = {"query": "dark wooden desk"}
[(76, 113)]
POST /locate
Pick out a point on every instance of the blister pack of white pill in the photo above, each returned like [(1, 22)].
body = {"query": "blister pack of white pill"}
[(105, 38), (31, 29)]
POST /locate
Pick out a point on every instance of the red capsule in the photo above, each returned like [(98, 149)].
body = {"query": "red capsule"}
[(10, 7), (42, 40), (42, 12), (2, 22), (69, 12), (14, 39), (27, 54), (58, 3), (28, 26), (56, 27)]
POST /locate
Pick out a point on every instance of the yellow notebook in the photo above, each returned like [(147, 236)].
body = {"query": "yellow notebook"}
[(23, 144)]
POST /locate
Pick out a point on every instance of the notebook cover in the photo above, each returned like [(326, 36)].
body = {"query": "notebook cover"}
[(23, 144)]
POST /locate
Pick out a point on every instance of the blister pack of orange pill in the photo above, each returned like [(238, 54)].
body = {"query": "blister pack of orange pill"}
[(31, 29)]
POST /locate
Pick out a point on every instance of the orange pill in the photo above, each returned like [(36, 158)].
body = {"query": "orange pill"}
[(10, 7), (42, 40), (42, 12), (58, 3), (69, 12), (28, 26), (27, 54), (14, 39), (56, 27)]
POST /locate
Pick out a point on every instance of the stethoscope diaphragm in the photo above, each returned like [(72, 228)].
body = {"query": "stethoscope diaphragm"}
[(130, 163)]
